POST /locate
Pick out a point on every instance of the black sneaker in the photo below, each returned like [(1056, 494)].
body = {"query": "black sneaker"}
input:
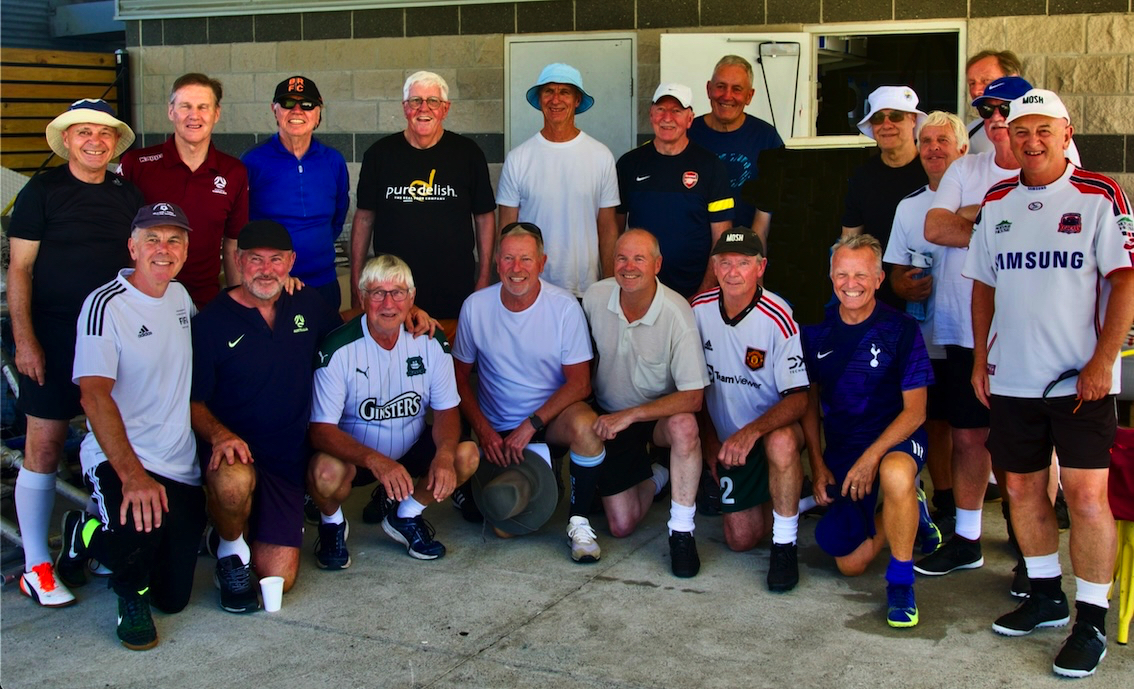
[(1021, 585), (378, 507), (330, 547), (683, 556), (1062, 515), (709, 496), (71, 565), (234, 580), (310, 510), (783, 567), (946, 523), (1036, 611), (136, 627), (957, 553), (1081, 652), (464, 503), (415, 534)]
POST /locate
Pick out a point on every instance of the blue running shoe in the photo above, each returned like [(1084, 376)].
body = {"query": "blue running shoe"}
[(903, 607), (330, 547), (415, 534), (928, 532)]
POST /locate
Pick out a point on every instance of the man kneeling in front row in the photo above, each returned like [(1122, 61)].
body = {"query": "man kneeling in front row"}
[(374, 383)]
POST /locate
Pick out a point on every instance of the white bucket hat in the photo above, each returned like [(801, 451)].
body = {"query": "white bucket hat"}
[(82, 111), (900, 98)]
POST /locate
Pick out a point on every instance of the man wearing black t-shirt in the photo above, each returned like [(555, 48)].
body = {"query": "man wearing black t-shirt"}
[(68, 236), (417, 191)]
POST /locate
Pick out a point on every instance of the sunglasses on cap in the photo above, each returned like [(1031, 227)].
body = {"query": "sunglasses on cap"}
[(289, 103), (985, 110), (894, 116)]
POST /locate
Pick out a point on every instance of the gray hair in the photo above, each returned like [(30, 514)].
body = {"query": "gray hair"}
[(426, 79), (859, 241), (520, 229), (386, 268), (655, 248), (940, 118), (735, 61)]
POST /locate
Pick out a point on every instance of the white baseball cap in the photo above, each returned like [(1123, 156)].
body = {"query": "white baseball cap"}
[(1038, 102), (901, 98), (681, 92)]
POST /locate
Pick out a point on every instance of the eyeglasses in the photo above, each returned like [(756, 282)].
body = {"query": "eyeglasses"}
[(433, 102), (289, 103), (1066, 375), (894, 116), (985, 110), (530, 227), (379, 295)]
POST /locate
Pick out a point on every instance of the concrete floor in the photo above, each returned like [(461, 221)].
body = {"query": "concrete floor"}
[(519, 613)]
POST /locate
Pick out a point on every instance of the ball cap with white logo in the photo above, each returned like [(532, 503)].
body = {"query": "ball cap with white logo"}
[(1038, 102), (155, 214), (739, 240), (681, 92), (900, 98)]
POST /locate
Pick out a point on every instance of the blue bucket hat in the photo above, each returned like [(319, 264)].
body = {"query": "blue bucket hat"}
[(1005, 89), (559, 73)]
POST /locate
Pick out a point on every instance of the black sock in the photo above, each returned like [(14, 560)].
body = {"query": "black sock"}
[(1051, 588), (1087, 612), (583, 481), (943, 501)]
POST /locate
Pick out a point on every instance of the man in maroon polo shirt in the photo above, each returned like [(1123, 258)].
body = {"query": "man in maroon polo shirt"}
[(189, 171)]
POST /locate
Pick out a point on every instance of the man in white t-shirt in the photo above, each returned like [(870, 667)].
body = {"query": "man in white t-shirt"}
[(563, 181), (374, 383), (649, 386), (1052, 260), (133, 364), (529, 342)]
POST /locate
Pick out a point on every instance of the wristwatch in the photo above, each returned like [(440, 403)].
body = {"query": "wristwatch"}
[(537, 423)]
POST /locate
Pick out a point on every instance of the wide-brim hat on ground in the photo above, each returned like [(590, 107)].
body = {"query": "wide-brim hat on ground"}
[(519, 498), (900, 98), (559, 73), (87, 110)]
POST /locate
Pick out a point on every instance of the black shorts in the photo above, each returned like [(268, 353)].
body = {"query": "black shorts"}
[(937, 405), (964, 409), (277, 511), (627, 460), (745, 486), (58, 397), (416, 460), (1024, 431)]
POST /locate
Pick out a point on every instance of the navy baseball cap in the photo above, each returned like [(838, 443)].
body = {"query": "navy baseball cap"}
[(156, 214), (264, 234), (739, 240), (1005, 89)]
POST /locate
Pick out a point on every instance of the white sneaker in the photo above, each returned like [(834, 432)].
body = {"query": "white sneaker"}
[(98, 569), (581, 538), (41, 586)]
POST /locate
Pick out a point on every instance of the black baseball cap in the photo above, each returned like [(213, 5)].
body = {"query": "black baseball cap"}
[(264, 234), (738, 240), (155, 214), (298, 87)]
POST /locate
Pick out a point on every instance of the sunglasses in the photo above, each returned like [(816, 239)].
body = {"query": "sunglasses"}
[(985, 110), (894, 116), (530, 227), (1066, 375), (289, 103)]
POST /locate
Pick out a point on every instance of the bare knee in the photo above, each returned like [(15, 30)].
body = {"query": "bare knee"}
[(683, 434), (230, 485), (851, 566), (782, 446), (468, 459), (743, 531), (326, 474)]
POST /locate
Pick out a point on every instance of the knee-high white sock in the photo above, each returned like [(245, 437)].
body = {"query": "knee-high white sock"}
[(35, 500)]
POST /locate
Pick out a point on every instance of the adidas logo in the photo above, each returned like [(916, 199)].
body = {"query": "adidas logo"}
[(144, 332), (709, 345)]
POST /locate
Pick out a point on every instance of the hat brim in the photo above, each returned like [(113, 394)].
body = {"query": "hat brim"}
[(583, 106), (864, 123), (541, 505), (60, 124)]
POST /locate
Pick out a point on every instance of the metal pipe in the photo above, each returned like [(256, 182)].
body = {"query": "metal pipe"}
[(15, 458)]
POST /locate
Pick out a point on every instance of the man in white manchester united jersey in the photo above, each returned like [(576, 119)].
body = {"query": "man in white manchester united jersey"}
[(1052, 259)]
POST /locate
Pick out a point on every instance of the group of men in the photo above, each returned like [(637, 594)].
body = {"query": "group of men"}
[(629, 315)]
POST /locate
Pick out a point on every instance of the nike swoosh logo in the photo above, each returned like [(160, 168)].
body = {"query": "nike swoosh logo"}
[(71, 550), (641, 179), (235, 342), (823, 354)]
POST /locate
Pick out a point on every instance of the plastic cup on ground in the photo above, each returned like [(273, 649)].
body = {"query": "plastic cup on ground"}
[(271, 588)]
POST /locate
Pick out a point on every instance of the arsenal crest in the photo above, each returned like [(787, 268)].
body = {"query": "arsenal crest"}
[(754, 358), (689, 179)]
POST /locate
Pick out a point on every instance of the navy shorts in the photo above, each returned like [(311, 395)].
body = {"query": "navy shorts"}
[(416, 460), (1024, 431), (277, 511), (58, 397), (627, 460)]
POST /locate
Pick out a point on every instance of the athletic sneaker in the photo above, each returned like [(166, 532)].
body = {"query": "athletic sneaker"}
[(1036, 611), (98, 569), (902, 606), (957, 553), (783, 567), (310, 510), (683, 556), (1021, 585), (927, 531), (946, 523), (378, 507), (330, 547), (71, 565), (464, 503), (581, 538), (1081, 652), (234, 580), (135, 623), (415, 534), (41, 586)]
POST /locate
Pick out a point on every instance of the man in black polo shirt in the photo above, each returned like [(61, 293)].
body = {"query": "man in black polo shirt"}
[(253, 349)]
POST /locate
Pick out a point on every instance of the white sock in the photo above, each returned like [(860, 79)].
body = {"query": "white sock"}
[(35, 500), (784, 529), (992, 478), (681, 517), (336, 518), (237, 547), (1090, 592), (410, 508), (1043, 566), (807, 504), (660, 477), (969, 524)]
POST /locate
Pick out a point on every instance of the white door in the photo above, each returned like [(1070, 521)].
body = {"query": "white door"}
[(607, 62)]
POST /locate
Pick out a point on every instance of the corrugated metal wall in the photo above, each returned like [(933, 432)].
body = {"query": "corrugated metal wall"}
[(26, 24)]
